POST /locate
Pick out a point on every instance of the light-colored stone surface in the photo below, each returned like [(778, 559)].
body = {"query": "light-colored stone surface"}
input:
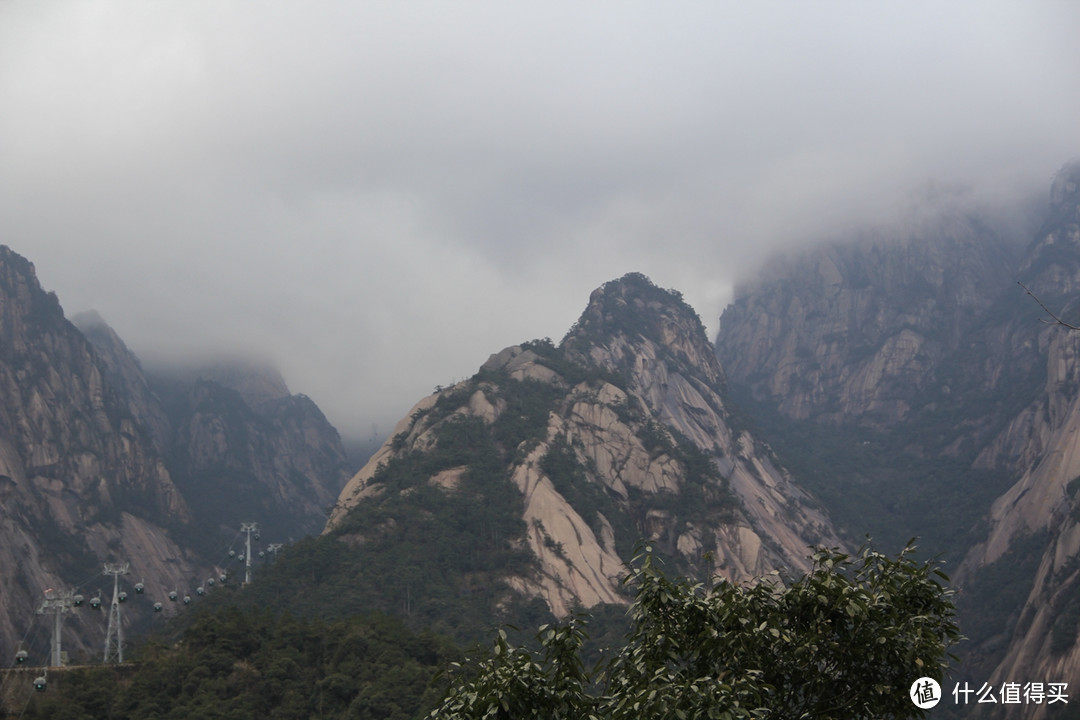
[(449, 479), (577, 570), (673, 380), (410, 428), (88, 454)]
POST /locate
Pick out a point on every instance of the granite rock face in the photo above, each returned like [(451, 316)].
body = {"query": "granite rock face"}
[(635, 442), (857, 329), (82, 472), (102, 463), (1044, 503), (922, 342)]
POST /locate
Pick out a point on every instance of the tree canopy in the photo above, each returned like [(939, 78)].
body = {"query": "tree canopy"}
[(847, 640), (242, 664)]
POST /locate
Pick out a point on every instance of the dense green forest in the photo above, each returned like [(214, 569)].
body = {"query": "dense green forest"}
[(849, 634), (243, 664)]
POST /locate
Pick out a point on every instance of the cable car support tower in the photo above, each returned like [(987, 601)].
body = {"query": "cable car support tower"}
[(114, 636), (248, 528), (56, 603)]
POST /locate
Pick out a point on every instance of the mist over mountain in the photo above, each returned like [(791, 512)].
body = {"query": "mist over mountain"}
[(910, 383), (102, 462), (217, 177), (895, 383), (299, 219), (520, 493)]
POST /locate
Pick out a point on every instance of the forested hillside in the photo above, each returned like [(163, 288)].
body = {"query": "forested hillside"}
[(257, 664)]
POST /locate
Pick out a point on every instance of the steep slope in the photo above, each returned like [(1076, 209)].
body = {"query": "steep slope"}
[(243, 446), (657, 344), (81, 478), (237, 443), (885, 369), (1041, 512), (95, 467), (125, 374), (619, 433), (910, 385), (855, 331)]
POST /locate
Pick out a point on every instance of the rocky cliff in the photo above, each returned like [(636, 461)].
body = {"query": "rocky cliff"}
[(96, 467), (621, 432), (882, 366), (83, 481), (237, 442), (1041, 511), (915, 388), (856, 329), (243, 445)]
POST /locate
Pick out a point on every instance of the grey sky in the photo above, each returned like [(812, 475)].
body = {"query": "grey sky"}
[(379, 195)]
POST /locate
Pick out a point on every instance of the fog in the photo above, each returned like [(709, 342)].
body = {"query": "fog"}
[(378, 196)]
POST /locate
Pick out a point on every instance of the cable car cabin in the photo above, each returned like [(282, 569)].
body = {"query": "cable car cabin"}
[(187, 599), (122, 596), (157, 607), (78, 599), (200, 590), (172, 595), (95, 602), (40, 683), (20, 657), (223, 577), (210, 582), (139, 587)]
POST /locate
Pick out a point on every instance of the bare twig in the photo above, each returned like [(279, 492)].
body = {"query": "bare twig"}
[(1057, 320)]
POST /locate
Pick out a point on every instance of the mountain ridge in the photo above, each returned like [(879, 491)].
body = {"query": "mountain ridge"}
[(95, 468), (618, 433), (944, 403)]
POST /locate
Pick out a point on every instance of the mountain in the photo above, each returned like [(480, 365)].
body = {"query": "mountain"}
[(533, 480), (891, 360), (856, 330), (1039, 516), (82, 479), (242, 444), (237, 441), (910, 384), (101, 462)]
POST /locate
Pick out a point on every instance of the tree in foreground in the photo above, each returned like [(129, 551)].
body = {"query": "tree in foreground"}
[(847, 640)]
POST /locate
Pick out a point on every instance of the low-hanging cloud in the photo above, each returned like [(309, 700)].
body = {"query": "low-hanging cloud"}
[(379, 196)]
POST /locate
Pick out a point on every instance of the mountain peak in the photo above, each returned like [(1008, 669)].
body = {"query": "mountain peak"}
[(29, 306), (1051, 267), (634, 305), (633, 327), (1065, 188), (258, 382), (619, 433)]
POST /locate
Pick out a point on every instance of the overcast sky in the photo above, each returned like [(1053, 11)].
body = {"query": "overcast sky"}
[(377, 196)]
